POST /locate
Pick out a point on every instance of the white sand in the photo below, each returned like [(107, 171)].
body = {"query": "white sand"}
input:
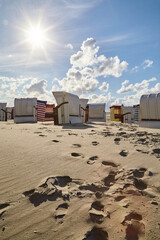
[(83, 191)]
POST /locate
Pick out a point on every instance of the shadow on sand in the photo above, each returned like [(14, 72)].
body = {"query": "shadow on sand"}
[(77, 126)]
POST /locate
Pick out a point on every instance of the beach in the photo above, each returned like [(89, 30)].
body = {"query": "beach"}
[(95, 181)]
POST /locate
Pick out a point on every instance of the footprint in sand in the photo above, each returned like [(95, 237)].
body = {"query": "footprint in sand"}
[(117, 140), (61, 211), (132, 215), (2, 212), (134, 230), (107, 163), (61, 181), (98, 194), (3, 208), (50, 190), (156, 151), (107, 134), (56, 141), (142, 151), (110, 179), (139, 173), (124, 153), (95, 143), (77, 145), (139, 184), (134, 226), (74, 154), (74, 134), (141, 134), (92, 160), (96, 234), (28, 193), (4, 205), (121, 133), (96, 212), (42, 135)]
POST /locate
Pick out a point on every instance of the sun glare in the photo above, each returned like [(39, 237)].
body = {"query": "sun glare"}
[(36, 37)]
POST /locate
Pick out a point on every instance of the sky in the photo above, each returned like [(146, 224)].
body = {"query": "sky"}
[(105, 50)]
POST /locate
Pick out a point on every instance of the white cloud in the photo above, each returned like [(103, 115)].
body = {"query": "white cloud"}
[(125, 82), (77, 83), (20, 87), (55, 80), (111, 67), (135, 87), (104, 87), (128, 100), (36, 87), (102, 66), (155, 89), (87, 66), (3, 86), (19, 81), (69, 45), (102, 98), (135, 69), (9, 88), (147, 63), (87, 56), (139, 89), (55, 88)]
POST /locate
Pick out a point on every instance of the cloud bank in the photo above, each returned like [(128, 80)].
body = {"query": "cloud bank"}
[(137, 90), (135, 87), (87, 66), (85, 77)]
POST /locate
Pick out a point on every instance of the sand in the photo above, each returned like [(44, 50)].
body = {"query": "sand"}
[(93, 182)]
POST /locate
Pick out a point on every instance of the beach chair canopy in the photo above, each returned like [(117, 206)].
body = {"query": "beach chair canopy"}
[(2, 113), (96, 111), (69, 112), (25, 110), (150, 110)]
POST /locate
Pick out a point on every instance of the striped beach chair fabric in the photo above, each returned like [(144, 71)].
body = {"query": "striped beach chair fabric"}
[(41, 109)]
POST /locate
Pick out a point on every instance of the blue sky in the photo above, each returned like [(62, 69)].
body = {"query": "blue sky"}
[(104, 50)]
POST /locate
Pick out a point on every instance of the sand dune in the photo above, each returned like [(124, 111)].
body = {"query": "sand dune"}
[(93, 182)]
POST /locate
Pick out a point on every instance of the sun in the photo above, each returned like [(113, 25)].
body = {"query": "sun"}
[(36, 36)]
